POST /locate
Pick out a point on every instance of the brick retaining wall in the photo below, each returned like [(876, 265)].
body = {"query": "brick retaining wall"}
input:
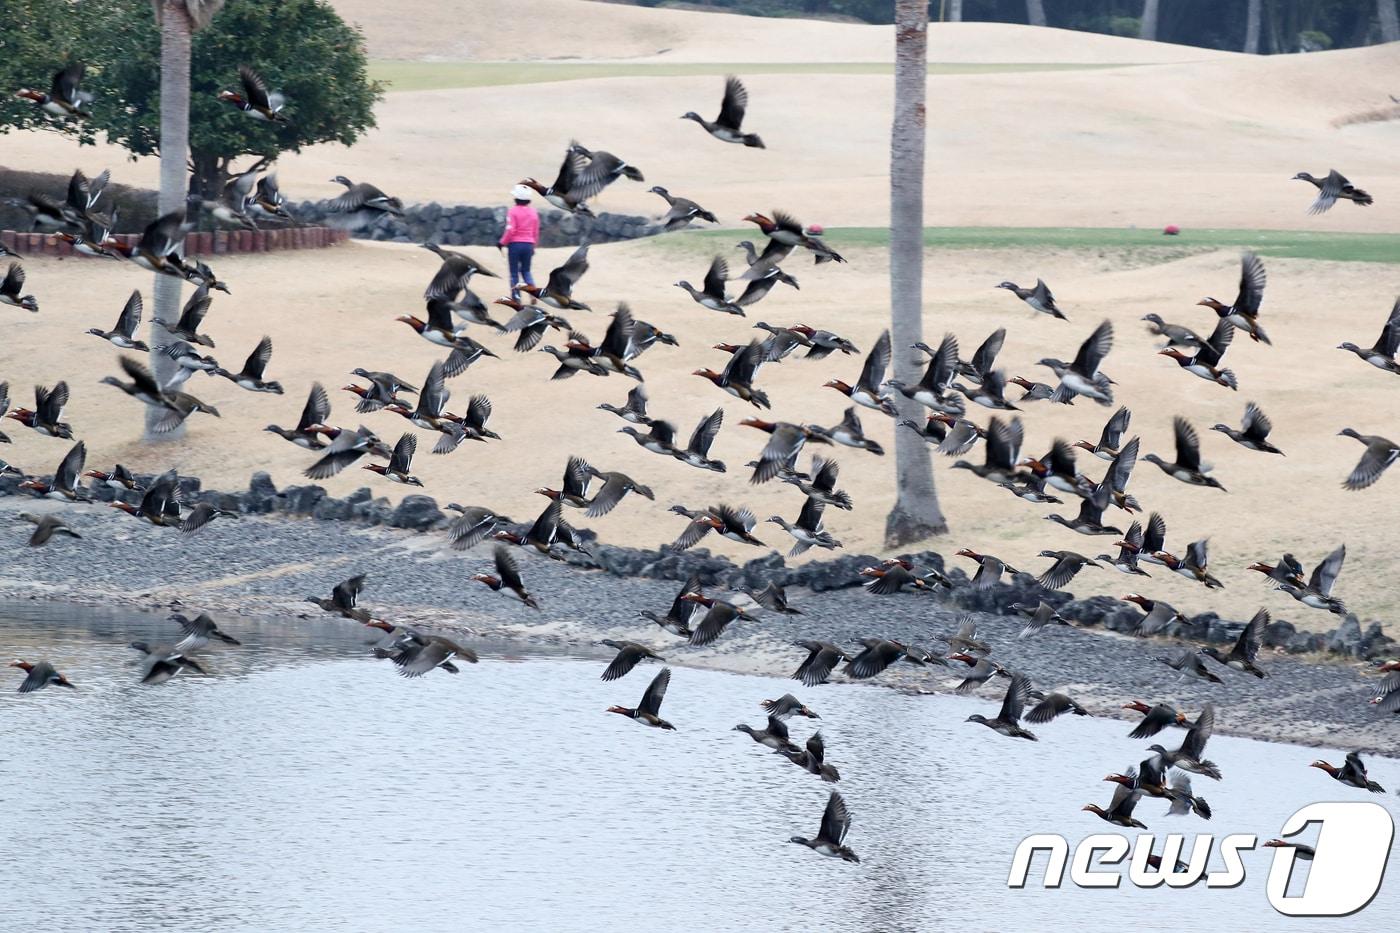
[(203, 243)]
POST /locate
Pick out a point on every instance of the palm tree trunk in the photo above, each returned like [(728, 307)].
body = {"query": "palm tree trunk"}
[(1149, 20), (176, 29), (1253, 26), (1035, 12), (916, 513), (1390, 22)]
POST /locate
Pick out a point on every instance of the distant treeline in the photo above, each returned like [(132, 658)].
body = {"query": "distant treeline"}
[(1278, 25)]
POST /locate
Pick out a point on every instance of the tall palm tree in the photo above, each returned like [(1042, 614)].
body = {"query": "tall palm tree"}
[(1149, 20), (1035, 12), (178, 21), (1254, 25), (916, 513)]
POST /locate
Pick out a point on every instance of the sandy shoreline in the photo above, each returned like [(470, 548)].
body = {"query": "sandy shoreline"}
[(257, 567)]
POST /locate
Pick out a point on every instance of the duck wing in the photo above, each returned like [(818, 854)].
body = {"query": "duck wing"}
[(1252, 280), (563, 279), (139, 374), (404, 450), (1016, 696), (546, 527), (681, 608), (877, 362), (345, 593), (254, 87), (1389, 341), (66, 476), (655, 693), (715, 278), (257, 361), (1194, 745), (619, 333), (1247, 647), (714, 623), (626, 659), (1188, 444), (1213, 350), (704, 434), (1121, 469), (1093, 350), (130, 317), (735, 103), (317, 408), (986, 355), (1256, 425), (1324, 575), (1052, 706), (836, 820)]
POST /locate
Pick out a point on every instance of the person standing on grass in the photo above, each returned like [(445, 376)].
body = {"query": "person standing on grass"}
[(521, 235)]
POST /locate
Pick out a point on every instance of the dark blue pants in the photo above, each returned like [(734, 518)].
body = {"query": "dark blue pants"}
[(520, 255)]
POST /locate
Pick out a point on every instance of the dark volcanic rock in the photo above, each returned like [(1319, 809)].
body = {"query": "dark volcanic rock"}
[(1346, 638), (301, 500), (1278, 634), (417, 512), (1091, 611)]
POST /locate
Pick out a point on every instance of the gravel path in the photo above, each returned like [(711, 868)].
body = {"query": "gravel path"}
[(265, 567)]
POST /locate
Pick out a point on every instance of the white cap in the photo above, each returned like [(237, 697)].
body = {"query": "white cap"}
[(521, 192)]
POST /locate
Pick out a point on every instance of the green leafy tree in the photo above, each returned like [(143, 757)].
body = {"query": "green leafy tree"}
[(300, 47), (38, 38)]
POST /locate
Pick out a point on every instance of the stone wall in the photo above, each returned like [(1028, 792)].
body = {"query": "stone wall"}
[(464, 225)]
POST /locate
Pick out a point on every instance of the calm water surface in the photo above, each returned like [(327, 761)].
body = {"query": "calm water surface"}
[(305, 786)]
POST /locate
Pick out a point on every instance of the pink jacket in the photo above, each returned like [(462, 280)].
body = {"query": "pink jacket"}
[(522, 225)]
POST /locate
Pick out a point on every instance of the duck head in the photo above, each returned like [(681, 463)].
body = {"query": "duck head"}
[(412, 321), (1324, 766), (342, 180), (1120, 779), (1012, 286), (968, 552), (1137, 705), (1301, 176), (1142, 601), (838, 385), (709, 374), (976, 717), (1213, 303), (38, 97), (1174, 353), (231, 97), (1154, 318), (759, 423), (620, 709)]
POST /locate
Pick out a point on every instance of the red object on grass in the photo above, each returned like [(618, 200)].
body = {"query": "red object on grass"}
[(1171, 230)]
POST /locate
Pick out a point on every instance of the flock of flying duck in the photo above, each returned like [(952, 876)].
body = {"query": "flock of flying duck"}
[(948, 387)]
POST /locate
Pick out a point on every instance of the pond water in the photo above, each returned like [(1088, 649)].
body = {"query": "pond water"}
[(302, 785)]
